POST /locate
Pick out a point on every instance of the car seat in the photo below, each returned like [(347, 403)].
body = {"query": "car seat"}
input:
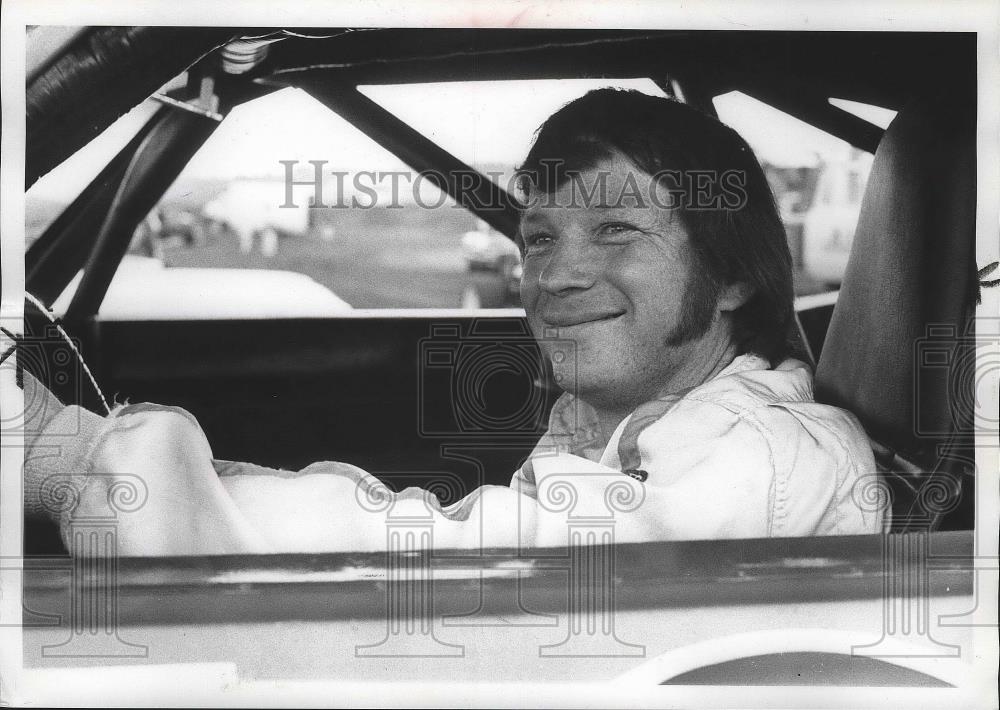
[(900, 352)]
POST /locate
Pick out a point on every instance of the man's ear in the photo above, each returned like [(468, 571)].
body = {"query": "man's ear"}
[(734, 295)]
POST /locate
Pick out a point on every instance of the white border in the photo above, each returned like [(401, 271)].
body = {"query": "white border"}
[(893, 15), (910, 15), (12, 59)]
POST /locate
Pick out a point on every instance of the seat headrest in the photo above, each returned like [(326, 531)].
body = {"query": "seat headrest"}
[(902, 324)]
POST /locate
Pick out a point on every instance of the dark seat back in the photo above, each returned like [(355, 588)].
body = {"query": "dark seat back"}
[(900, 350)]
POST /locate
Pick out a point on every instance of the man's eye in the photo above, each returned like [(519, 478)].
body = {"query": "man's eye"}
[(614, 229)]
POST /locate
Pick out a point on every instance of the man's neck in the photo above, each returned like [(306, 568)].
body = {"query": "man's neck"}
[(698, 370)]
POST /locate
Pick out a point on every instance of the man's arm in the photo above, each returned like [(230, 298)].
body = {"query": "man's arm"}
[(714, 477), (193, 504)]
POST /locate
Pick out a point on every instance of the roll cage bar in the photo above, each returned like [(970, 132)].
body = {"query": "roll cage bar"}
[(781, 69)]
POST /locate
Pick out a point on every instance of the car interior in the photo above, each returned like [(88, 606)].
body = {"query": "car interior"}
[(895, 349), (286, 393)]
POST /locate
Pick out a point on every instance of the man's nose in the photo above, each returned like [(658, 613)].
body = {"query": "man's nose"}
[(570, 267)]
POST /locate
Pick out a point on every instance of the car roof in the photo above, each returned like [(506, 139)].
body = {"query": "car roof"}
[(877, 67), (795, 72), (802, 68)]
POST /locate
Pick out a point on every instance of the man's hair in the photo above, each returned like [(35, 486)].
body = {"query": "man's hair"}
[(733, 241)]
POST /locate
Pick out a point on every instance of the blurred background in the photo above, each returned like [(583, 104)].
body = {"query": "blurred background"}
[(224, 211)]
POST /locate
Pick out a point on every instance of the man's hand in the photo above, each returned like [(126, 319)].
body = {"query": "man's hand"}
[(151, 470)]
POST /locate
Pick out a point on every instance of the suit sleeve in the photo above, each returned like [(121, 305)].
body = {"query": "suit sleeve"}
[(712, 473)]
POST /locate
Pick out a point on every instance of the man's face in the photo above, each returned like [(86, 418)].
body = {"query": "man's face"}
[(615, 278)]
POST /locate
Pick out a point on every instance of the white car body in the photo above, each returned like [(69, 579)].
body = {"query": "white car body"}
[(144, 289)]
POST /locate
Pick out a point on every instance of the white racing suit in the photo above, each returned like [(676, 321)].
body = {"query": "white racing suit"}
[(747, 454)]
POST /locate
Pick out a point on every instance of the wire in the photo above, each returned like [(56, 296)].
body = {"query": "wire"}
[(456, 53), (12, 348), (347, 31)]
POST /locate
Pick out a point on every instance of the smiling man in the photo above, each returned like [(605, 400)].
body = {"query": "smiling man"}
[(652, 243), (625, 284), (657, 280)]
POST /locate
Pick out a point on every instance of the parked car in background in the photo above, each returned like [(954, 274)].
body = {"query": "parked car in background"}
[(494, 269), (487, 249)]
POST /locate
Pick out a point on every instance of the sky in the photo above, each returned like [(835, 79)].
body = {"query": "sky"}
[(480, 122)]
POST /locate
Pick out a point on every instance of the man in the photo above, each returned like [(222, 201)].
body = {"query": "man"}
[(657, 279)]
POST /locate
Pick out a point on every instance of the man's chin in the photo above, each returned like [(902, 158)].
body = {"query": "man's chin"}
[(580, 380)]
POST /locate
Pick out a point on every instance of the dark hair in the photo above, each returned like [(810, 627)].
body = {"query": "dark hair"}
[(733, 241)]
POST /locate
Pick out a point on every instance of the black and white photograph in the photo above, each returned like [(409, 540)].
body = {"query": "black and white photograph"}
[(558, 354)]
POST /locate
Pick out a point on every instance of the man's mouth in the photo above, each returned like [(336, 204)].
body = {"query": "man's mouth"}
[(566, 320)]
